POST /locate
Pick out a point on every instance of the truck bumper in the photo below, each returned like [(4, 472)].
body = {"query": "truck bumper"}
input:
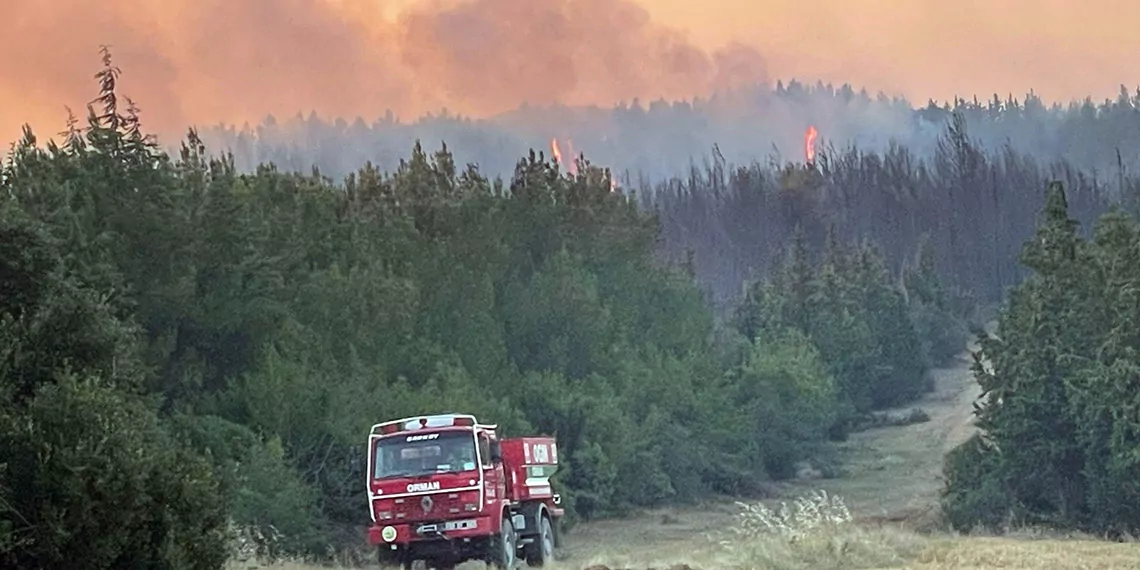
[(400, 535)]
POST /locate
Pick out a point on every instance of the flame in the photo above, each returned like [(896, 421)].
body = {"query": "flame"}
[(572, 168), (809, 144), (555, 150)]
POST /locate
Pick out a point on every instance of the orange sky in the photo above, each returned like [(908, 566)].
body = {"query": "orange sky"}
[(203, 61)]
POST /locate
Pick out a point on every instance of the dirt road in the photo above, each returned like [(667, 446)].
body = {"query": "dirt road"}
[(895, 473), (891, 474)]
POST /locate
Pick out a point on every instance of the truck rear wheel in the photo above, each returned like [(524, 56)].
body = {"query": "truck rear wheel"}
[(541, 552), (504, 549)]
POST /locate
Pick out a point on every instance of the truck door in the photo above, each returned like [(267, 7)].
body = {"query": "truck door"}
[(493, 481)]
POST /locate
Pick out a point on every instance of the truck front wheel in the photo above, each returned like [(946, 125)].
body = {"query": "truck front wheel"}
[(505, 546), (541, 552), (391, 559)]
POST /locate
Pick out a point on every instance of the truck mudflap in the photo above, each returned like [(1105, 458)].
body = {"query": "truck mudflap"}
[(404, 533)]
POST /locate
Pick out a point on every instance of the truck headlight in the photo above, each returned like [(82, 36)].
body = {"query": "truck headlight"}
[(388, 534)]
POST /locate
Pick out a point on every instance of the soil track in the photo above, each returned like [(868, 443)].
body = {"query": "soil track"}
[(889, 475), (895, 473)]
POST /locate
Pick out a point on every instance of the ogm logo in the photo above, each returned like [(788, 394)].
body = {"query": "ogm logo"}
[(418, 487), (541, 453)]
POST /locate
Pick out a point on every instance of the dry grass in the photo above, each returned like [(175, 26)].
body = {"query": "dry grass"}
[(938, 554), (813, 532), (818, 532), (1014, 553)]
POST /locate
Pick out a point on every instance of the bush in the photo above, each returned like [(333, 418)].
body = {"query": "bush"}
[(790, 398), (974, 496), (266, 498), (93, 480)]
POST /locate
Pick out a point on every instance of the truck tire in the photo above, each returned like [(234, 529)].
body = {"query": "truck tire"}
[(557, 525), (541, 552), (504, 549)]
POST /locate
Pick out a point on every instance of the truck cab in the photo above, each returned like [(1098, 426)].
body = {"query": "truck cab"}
[(443, 489)]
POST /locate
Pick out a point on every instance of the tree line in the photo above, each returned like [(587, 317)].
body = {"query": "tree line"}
[(654, 140), (975, 208), (191, 354), (971, 183), (1060, 436)]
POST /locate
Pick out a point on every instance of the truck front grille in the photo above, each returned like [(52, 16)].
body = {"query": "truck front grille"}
[(427, 507)]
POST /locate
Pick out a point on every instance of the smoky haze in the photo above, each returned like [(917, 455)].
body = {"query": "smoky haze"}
[(205, 61), (528, 71), (645, 142)]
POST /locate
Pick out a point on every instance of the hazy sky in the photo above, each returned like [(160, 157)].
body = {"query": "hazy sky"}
[(205, 61)]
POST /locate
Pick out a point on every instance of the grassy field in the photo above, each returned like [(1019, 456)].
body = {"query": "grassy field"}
[(880, 512), (814, 543)]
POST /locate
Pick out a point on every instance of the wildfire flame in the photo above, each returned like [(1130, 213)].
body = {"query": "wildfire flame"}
[(809, 144), (572, 168), (555, 150)]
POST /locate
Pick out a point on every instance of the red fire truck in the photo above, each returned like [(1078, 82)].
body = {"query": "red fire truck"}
[(444, 489)]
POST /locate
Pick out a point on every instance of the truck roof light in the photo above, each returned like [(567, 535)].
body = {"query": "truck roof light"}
[(422, 422)]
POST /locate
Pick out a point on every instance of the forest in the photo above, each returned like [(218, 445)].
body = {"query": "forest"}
[(192, 352), (697, 164), (646, 143)]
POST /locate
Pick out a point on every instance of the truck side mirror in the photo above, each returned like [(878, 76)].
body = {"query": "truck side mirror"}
[(496, 453)]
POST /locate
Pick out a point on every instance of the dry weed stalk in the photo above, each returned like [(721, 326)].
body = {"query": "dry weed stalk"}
[(808, 515), (814, 532), (250, 543)]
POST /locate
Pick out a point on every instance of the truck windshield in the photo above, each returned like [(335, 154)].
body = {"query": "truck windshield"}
[(422, 454)]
